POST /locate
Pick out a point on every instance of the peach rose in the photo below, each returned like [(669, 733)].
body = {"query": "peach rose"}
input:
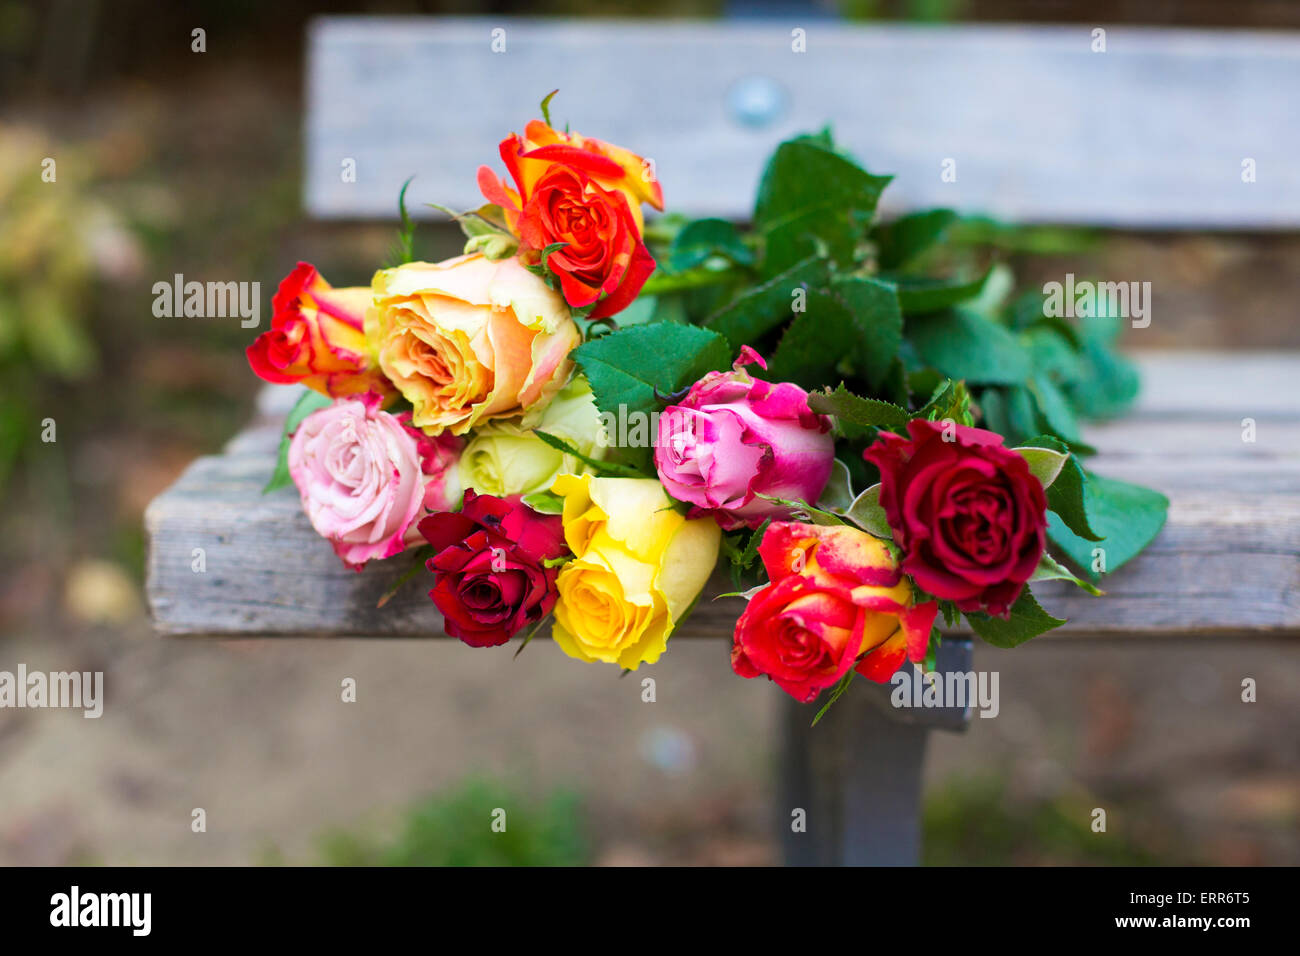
[(469, 340)]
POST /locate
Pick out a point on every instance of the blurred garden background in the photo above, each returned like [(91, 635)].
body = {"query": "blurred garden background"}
[(172, 162)]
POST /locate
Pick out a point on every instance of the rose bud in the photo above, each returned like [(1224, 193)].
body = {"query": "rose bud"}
[(362, 478), (317, 338), (586, 194), (492, 576), (734, 437), (470, 340), (967, 513), (837, 600)]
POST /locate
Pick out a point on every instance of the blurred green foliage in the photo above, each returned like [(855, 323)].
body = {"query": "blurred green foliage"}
[(50, 223), (454, 828), (974, 822)]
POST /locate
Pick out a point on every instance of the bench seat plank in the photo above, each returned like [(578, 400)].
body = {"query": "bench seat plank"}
[(1227, 562), (1151, 133)]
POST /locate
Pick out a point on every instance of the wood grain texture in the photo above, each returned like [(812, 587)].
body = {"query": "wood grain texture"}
[(1227, 562), (1152, 133)]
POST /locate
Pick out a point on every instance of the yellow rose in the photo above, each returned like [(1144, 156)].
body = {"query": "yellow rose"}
[(470, 339), (638, 566), (504, 458)]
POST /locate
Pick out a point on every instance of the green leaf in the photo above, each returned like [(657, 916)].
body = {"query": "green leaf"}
[(1066, 494), (810, 195), (921, 296), (950, 613), (704, 238), (962, 344), (422, 554), (1044, 463), (1108, 382), (854, 410), (876, 323), (838, 493), (640, 366), (402, 251), (486, 220), (1057, 414), (998, 287), (750, 554), (1125, 516), (836, 694), (1049, 569), (763, 307), (543, 502), (545, 106), (855, 328), (540, 624), (1055, 357), (950, 400), (902, 240), (600, 466), (1027, 621), (307, 403), (868, 514), (802, 511)]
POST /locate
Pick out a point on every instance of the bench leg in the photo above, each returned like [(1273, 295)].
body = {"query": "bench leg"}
[(857, 775)]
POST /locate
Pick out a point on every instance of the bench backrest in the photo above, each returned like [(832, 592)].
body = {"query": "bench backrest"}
[(1164, 129)]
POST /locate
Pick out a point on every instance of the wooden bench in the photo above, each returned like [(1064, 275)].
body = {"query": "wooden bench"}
[(1042, 129)]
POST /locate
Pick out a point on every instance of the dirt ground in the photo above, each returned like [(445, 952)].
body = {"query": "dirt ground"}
[(256, 734)]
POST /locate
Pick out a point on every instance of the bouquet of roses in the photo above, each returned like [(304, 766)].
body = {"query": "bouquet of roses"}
[(576, 418)]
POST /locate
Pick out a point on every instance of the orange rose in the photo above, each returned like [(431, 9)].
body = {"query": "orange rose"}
[(586, 194), (317, 338), (837, 600)]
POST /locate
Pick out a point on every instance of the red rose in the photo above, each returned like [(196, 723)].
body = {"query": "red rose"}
[(969, 516), (490, 567), (837, 601)]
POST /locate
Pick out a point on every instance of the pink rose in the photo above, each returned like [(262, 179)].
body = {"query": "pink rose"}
[(365, 478), (735, 437)]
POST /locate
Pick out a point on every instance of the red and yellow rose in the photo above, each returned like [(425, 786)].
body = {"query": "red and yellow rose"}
[(317, 338), (837, 600), (586, 194)]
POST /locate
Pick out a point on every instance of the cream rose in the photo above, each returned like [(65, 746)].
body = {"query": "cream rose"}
[(503, 458)]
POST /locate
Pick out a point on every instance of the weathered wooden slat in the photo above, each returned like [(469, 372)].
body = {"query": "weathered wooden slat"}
[(1151, 133), (1228, 561)]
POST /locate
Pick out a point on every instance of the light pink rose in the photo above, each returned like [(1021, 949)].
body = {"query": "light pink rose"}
[(365, 478), (734, 437)]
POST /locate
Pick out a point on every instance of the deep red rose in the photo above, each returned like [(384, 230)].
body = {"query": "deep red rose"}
[(969, 516), (491, 578)]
